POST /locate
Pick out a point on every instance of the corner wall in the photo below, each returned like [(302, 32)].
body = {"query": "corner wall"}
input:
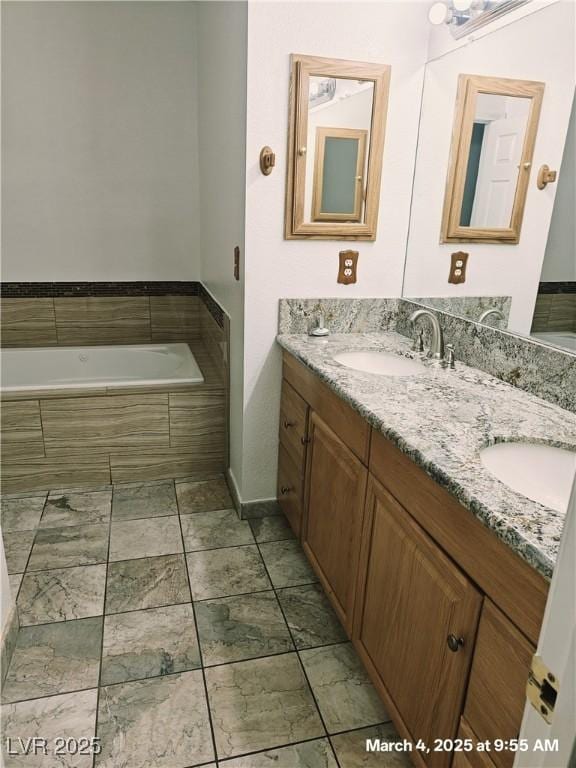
[(394, 33), (222, 31)]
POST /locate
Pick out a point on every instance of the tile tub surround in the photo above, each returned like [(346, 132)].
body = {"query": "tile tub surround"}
[(104, 435), (441, 419), (523, 362), (168, 681)]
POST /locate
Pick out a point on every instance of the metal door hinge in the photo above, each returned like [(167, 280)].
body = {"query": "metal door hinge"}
[(542, 688)]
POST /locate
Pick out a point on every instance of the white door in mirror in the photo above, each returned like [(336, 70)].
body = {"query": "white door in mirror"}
[(542, 473)]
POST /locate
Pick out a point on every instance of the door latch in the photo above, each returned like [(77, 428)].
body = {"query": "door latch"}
[(542, 688)]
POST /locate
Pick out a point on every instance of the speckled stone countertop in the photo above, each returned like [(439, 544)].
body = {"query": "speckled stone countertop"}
[(441, 419)]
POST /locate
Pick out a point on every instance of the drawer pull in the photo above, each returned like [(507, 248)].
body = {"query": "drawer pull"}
[(285, 489), (304, 440), (455, 643), (287, 424)]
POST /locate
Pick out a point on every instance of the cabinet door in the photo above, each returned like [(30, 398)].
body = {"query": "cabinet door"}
[(293, 426), (290, 481), (335, 491), (497, 689), (474, 758), (413, 606)]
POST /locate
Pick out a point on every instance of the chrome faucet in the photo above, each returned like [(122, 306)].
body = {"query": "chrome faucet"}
[(493, 311), (436, 351)]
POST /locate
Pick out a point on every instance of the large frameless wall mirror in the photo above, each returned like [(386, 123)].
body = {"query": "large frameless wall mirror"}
[(528, 289), (336, 140), (491, 157)]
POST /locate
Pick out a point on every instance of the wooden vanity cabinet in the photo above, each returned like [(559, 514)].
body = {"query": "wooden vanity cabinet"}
[(416, 621), (443, 614), (334, 503)]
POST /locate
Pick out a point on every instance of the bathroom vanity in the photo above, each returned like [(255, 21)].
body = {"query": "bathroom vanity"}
[(442, 602)]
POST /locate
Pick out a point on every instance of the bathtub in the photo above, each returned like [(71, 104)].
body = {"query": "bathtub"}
[(56, 368)]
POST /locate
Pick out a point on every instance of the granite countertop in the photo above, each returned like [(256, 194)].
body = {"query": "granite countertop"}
[(441, 419)]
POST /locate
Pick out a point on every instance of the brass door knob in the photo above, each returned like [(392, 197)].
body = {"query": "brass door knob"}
[(455, 643)]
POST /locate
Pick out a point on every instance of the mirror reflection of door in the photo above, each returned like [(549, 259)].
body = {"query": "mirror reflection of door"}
[(338, 146), (494, 157), (339, 162)]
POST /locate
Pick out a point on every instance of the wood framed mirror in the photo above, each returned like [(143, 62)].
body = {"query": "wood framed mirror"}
[(335, 146), (493, 139)]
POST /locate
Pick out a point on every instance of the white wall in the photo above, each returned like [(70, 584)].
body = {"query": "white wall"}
[(512, 270), (393, 33), (99, 141), (560, 257), (222, 30)]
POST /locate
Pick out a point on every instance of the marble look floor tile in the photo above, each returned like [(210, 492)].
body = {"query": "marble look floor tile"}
[(345, 695), (241, 627), (225, 572), (69, 715), (24, 494), (17, 547), (62, 594), (149, 537), (274, 528), (210, 530), (149, 500), (203, 496), (310, 616), (150, 582), (15, 580), (309, 754), (157, 723), (76, 509), (82, 489), (72, 545), (287, 563), (54, 658), (22, 514), (151, 643), (261, 704), (351, 749)]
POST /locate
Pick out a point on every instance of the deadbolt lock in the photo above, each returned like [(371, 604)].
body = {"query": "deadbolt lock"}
[(542, 688)]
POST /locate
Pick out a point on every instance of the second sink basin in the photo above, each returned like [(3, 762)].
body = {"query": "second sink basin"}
[(542, 473), (382, 363)]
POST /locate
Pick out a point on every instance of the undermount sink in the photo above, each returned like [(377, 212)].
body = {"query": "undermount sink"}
[(382, 363), (542, 473)]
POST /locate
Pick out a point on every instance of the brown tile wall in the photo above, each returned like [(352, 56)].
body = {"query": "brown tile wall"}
[(555, 312)]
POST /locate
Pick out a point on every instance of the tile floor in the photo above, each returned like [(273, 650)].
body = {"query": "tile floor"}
[(178, 635)]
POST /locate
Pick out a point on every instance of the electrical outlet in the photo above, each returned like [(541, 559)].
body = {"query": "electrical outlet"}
[(347, 268), (458, 263)]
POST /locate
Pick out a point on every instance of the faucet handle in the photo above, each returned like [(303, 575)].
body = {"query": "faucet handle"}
[(450, 356)]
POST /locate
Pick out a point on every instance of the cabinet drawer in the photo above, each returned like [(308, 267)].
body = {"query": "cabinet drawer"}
[(290, 489), (293, 423), (471, 759), (496, 691)]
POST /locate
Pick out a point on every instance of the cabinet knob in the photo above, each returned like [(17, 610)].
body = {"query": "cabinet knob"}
[(304, 440), (455, 643), (285, 489), (287, 424)]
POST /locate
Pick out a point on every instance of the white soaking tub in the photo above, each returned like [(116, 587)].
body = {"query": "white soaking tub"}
[(45, 368)]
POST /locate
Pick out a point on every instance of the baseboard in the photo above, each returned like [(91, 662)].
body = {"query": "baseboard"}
[(8, 642), (249, 510)]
